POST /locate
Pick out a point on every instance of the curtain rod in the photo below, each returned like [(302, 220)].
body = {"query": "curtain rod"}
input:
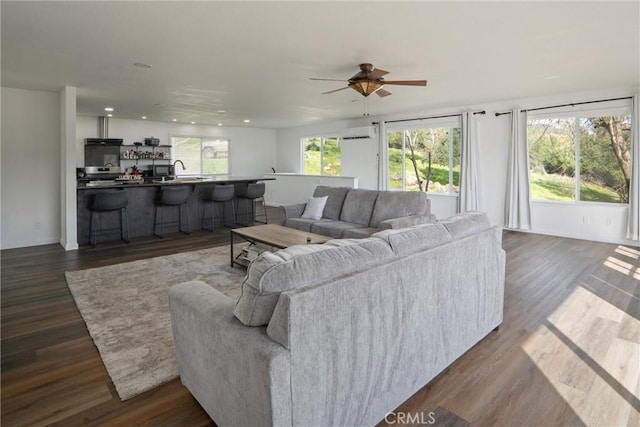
[(568, 105), (431, 117)]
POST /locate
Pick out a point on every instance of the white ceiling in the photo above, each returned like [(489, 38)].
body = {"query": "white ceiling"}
[(254, 59)]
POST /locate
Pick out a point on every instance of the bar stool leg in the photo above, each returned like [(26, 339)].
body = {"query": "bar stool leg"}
[(264, 211), (179, 217), (186, 207), (212, 209), (121, 224), (90, 226), (155, 219), (95, 230), (233, 214), (123, 211)]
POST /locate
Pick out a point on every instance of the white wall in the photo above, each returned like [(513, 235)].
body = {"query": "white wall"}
[(30, 174), (359, 157), (253, 150), (591, 221), (289, 189)]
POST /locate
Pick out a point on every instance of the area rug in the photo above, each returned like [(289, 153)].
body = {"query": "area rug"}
[(126, 309)]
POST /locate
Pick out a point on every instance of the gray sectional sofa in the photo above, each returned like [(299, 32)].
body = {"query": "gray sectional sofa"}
[(340, 333), (356, 213)]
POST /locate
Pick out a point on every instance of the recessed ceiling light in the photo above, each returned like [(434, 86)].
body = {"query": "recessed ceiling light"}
[(552, 77), (193, 123), (142, 65), (108, 108), (144, 117), (222, 111), (247, 121), (109, 115), (175, 120), (219, 124)]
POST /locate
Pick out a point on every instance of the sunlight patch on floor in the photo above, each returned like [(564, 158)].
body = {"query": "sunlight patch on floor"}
[(627, 251), (581, 353), (623, 267)]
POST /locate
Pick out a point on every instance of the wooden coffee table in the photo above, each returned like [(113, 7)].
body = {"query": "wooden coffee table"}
[(273, 235)]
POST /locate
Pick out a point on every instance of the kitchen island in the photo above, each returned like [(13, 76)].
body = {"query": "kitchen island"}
[(142, 198)]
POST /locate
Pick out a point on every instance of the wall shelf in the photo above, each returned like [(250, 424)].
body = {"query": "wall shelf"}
[(147, 154)]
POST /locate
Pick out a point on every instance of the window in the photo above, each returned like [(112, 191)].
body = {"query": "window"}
[(201, 156), (425, 159), (580, 158), (322, 156)]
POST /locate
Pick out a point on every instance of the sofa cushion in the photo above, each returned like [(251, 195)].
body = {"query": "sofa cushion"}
[(407, 221), (335, 201), (358, 206), (304, 224), (358, 233), (314, 208), (405, 241), (466, 224), (299, 266), (397, 204), (333, 228)]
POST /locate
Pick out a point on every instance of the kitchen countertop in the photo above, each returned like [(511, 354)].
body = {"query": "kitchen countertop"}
[(151, 182)]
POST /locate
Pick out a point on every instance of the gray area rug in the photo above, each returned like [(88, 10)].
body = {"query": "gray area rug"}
[(126, 309)]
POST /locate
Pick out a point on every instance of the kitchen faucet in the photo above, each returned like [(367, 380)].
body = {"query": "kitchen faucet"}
[(173, 167)]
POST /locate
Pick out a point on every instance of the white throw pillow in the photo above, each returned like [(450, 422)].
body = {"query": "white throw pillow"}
[(314, 208)]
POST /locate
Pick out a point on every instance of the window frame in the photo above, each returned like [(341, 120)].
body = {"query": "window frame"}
[(444, 122), (577, 113), (202, 138), (322, 137)]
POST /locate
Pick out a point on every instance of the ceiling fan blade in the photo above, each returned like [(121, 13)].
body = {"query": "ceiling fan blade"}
[(382, 93), (328, 80), (336, 90), (377, 73), (406, 82)]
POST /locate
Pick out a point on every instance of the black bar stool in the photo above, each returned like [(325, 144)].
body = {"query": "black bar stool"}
[(108, 201), (172, 196), (251, 194), (220, 194)]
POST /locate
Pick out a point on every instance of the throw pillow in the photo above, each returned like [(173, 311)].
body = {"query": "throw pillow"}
[(298, 267), (314, 208)]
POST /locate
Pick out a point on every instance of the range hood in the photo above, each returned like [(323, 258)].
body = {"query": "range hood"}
[(103, 134)]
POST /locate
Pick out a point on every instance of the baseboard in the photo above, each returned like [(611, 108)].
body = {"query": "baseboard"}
[(569, 236)]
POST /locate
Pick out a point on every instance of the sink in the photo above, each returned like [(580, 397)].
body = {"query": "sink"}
[(180, 180), (192, 180), (167, 181), (102, 183)]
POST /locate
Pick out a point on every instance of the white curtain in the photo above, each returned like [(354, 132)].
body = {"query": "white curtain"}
[(469, 197), (633, 225), (517, 203), (383, 157)]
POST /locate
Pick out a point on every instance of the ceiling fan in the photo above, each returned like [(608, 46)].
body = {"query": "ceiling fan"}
[(369, 80)]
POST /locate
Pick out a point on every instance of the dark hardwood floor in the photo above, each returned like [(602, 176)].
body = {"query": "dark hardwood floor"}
[(568, 352)]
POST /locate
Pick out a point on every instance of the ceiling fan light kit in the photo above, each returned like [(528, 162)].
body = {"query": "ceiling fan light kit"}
[(366, 87), (369, 80)]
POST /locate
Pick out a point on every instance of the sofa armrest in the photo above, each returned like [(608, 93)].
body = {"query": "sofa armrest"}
[(291, 211), (237, 373), (407, 221)]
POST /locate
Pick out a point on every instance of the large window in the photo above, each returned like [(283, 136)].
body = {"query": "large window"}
[(201, 156), (425, 159), (580, 158), (322, 156)]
